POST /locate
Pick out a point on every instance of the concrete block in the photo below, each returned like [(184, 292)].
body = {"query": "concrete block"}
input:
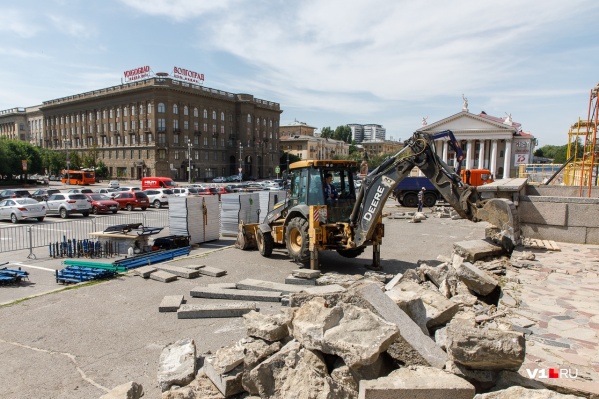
[(170, 303), (224, 286), (194, 267), (237, 309), (291, 279), (240, 295), (548, 213), (306, 273), (212, 271), (474, 250), (582, 215), (417, 383), (179, 271), (324, 289), (592, 236), (144, 271), (261, 285), (227, 383), (439, 310), (410, 331), (393, 282), (162, 276), (575, 235)]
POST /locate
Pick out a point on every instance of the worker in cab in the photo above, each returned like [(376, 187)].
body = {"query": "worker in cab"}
[(330, 192)]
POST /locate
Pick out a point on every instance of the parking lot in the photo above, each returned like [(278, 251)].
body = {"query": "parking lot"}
[(77, 343)]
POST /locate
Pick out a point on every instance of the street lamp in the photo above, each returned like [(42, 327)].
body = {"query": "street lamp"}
[(189, 145), (240, 162), (66, 146), (288, 148)]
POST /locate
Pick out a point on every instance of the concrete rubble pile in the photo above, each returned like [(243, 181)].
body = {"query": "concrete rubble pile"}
[(436, 331)]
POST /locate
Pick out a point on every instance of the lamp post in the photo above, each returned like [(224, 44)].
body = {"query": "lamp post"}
[(189, 145), (240, 162), (288, 148), (66, 146)]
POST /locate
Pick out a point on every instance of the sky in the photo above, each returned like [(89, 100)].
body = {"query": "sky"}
[(329, 62)]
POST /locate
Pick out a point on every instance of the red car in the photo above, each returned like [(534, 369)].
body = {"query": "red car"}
[(102, 204), (218, 191), (130, 200), (203, 191)]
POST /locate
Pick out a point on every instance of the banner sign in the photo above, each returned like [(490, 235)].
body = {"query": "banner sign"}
[(188, 76), (137, 73)]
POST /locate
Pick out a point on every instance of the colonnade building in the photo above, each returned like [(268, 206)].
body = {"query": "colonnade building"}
[(157, 127), (488, 142)]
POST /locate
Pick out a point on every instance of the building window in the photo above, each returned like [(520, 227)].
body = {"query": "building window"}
[(175, 139), (205, 141), (195, 112), (205, 113), (133, 110), (196, 126), (161, 124), (125, 125), (205, 127), (213, 114), (141, 109), (176, 155), (249, 118), (196, 154), (161, 154), (213, 128), (126, 111), (161, 108), (175, 109), (214, 142), (185, 110), (222, 116), (149, 108), (186, 125), (175, 124)]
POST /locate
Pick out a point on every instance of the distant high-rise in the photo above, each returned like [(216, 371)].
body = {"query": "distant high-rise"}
[(367, 132)]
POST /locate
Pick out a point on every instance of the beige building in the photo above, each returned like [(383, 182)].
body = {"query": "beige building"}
[(381, 147), (297, 128), (310, 147), (158, 127)]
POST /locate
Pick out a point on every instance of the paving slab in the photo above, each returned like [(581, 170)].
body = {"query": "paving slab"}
[(474, 250), (170, 303), (189, 311), (212, 271), (194, 267), (234, 294), (162, 276), (305, 273), (183, 272), (144, 271), (224, 286), (324, 289), (291, 279), (261, 285)]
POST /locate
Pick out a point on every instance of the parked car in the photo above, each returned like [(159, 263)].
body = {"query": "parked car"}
[(102, 203), (43, 194), (204, 191), (218, 191), (230, 188), (17, 209), (185, 191), (130, 200), (109, 192), (80, 191), (158, 197), (196, 185), (53, 178), (68, 204), (114, 184), (129, 189), (14, 194), (234, 178), (219, 180)]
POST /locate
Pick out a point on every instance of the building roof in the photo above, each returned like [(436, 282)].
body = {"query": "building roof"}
[(297, 123), (516, 125)]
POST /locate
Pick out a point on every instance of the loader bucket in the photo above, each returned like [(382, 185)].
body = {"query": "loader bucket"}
[(501, 213), (246, 236)]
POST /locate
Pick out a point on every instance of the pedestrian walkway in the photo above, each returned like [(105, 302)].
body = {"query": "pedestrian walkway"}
[(559, 313)]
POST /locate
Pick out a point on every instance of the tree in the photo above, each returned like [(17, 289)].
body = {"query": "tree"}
[(343, 133), (89, 158), (326, 132)]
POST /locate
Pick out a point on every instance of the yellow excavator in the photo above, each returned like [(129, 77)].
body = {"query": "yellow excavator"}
[(305, 223)]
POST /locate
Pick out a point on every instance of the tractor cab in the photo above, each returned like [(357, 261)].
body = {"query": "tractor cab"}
[(308, 186)]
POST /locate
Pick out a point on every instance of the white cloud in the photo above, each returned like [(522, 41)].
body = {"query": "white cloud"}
[(71, 27), (14, 52), (15, 22), (177, 9)]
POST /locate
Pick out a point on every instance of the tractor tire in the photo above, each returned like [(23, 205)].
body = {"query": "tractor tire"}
[(410, 200), (297, 241), (351, 253), (429, 200), (265, 243)]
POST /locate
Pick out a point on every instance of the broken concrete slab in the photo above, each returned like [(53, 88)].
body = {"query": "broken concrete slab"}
[(229, 383), (269, 327), (128, 390), (517, 392), (393, 282), (324, 289), (417, 382), (255, 351), (144, 271), (355, 334), (194, 267), (291, 279), (261, 285), (235, 294), (227, 358), (177, 364), (178, 271), (170, 303), (344, 280), (475, 279), (212, 271), (439, 310), (485, 349), (224, 286), (162, 276), (411, 303), (410, 331), (306, 273), (474, 250), (237, 309), (200, 387)]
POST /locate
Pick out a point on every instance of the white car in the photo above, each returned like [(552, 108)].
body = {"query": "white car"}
[(109, 192), (67, 204), (114, 184), (17, 209), (159, 196)]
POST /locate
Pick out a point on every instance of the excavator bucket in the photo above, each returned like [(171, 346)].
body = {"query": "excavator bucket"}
[(501, 213), (246, 236)]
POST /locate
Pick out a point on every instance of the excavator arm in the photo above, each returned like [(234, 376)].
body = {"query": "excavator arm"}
[(419, 151)]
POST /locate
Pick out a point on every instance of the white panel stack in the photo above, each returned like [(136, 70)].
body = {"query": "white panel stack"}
[(268, 199), (237, 207), (186, 218)]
